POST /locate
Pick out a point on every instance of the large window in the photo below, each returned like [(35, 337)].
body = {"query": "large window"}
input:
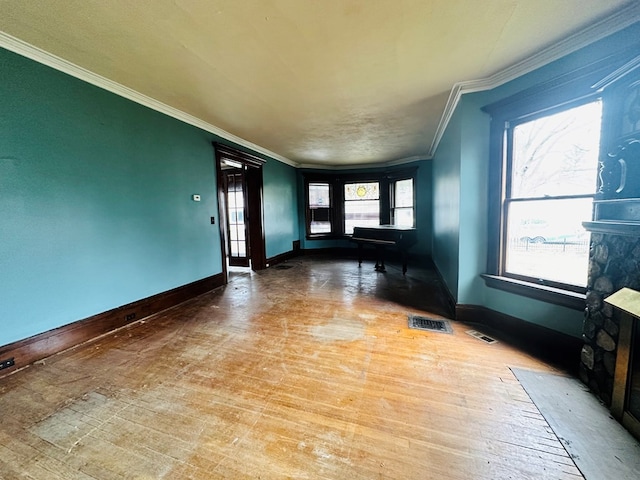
[(552, 163), (319, 207), (549, 170), (335, 204), (402, 200), (361, 205)]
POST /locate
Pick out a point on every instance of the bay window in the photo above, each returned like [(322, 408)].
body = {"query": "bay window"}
[(335, 204)]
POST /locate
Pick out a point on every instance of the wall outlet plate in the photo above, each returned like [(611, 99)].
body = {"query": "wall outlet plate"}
[(6, 363), (195, 197)]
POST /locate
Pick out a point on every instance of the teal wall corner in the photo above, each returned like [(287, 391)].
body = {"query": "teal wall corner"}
[(280, 207), (461, 188)]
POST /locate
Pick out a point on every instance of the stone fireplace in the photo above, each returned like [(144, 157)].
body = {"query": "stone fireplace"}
[(614, 259), (614, 263)]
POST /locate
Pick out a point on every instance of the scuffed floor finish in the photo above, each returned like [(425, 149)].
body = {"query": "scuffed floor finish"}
[(306, 373)]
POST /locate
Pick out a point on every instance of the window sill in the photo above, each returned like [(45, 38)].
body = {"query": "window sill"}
[(557, 296)]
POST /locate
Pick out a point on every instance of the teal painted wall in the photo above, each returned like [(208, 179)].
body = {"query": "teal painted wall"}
[(424, 210), (446, 204), (280, 206), (95, 201), (461, 168), (474, 135)]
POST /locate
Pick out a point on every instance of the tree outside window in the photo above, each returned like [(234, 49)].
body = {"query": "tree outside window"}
[(551, 168)]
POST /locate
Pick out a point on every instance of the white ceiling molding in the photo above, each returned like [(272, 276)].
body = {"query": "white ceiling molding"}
[(391, 163), (41, 56), (623, 18)]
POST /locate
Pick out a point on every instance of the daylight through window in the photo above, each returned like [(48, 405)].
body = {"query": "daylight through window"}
[(320, 207), (361, 205), (552, 164), (402, 213)]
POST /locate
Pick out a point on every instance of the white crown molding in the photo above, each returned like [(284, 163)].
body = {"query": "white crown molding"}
[(616, 22), (623, 18), (41, 56), (364, 166)]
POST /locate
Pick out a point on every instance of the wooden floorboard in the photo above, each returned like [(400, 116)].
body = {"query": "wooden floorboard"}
[(599, 445), (310, 372)]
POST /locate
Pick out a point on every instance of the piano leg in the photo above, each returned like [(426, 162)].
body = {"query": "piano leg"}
[(359, 254), (380, 259)]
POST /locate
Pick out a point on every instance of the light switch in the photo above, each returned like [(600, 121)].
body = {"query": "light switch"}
[(195, 197)]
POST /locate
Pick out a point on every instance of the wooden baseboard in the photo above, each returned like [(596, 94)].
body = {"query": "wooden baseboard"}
[(555, 347), (29, 350), (283, 257), (451, 300)]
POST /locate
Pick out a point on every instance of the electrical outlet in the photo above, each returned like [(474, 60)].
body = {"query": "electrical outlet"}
[(9, 362), (130, 317), (213, 220)]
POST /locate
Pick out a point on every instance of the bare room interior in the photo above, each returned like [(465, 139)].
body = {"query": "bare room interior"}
[(320, 239)]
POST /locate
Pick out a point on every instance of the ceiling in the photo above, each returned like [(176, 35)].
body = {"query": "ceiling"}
[(310, 82)]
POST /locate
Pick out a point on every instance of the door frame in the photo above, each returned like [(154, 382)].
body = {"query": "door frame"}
[(252, 166)]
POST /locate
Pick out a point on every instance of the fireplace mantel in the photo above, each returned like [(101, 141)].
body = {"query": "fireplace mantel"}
[(613, 227), (615, 217)]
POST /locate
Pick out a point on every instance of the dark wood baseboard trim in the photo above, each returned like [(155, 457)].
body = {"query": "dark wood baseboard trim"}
[(550, 345), (283, 257), (30, 350), (451, 300)]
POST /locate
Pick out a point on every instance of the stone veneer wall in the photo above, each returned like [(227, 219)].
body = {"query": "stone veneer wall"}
[(614, 262)]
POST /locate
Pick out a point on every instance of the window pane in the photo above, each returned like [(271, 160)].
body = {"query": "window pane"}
[(403, 217), (319, 208), (546, 240), (319, 195), (239, 194), (361, 191), (403, 191), (361, 205), (364, 213), (320, 220), (557, 154)]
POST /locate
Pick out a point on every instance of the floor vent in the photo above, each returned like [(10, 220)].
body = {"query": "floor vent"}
[(481, 336), (283, 267), (430, 324)]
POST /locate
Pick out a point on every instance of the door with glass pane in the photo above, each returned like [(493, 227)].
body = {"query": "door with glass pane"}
[(236, 219)]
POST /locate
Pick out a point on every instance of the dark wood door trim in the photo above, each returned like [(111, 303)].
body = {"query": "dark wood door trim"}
[(253, 171), (256, 220), (222, 215)]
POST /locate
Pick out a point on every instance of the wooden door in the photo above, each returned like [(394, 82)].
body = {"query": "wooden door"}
[(238, 248)]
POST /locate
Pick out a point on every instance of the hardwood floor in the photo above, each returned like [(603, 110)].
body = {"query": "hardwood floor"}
[(308, 372)]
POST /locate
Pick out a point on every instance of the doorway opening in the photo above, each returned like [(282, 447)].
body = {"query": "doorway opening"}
[(237, 225), (240, 211)]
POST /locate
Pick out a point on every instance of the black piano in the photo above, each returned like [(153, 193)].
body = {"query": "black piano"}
[(384, 236)]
